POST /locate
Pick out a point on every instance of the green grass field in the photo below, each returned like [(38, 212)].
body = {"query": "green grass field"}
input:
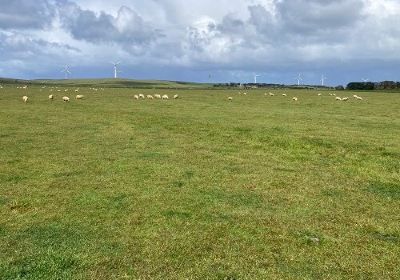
[(199, 187)]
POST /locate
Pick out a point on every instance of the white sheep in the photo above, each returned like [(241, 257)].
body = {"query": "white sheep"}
[(271, 94), (295, 99), (230, 98), (141, 96), (338, 98), (136, 97), (345, 99), (284, 94), (77, 90), (158, 96), (25, 98), (176, 96), (359, 98), (51, 97), (150, 97), (244, 93), (319, 94), (164, 97), (65, 99), (79, 96)]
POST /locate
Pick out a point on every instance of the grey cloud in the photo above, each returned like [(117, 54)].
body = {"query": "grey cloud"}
[(127, 28), (22, 46), (309, 16), (26, 14)]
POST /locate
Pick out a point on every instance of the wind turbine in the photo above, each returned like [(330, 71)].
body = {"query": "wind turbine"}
[(66, 71), (323, 79), (255, 78), (299, 79), (116, 68)]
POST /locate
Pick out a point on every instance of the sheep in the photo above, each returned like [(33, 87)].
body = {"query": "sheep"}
[(271, 94), (141, 96), (150, 97), (230, 98), (345, 99), (284, 94), (164, 97), (25, 98), (359, 98), (51, 97), (65, 99), (244, 93), (319, 94), (158, 96), (136, 97), (77, 90), (79, 96), (176, 96), (295, 99), (338, 98)]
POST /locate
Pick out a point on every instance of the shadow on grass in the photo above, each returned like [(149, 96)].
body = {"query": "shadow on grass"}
[(386, 190)]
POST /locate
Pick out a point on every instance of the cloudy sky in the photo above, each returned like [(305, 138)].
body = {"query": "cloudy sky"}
[(207, 40)]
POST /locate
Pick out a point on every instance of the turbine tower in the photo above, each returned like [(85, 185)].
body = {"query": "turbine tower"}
[(323, 79), (255, 78), (66, 71), (299, 79), (116, 68)]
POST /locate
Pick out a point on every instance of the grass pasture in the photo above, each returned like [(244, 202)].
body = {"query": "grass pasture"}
[(199, 187)]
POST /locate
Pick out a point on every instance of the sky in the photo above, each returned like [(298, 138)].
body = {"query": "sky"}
[(202, 41)]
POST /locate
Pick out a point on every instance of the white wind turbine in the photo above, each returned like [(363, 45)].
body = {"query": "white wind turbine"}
[(116, 68), (299, 79), (255, 78), (66, 71), (323, 79)]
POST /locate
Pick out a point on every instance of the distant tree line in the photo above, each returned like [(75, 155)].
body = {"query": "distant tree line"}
[(385, 85)]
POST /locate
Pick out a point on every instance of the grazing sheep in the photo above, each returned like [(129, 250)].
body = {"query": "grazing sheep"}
[(359, 98), (271, 94), (77, 90), (284, 94), (79, 96), (51, 97), (338, 98), (158, 96), (345, 99), (65, 99), (355, 96), (141, 96), (295, 99), (230, 98), (244, 93), (150, 97), (136, 97), (25, 98), (176, 96), (165, 97), (319, 94)]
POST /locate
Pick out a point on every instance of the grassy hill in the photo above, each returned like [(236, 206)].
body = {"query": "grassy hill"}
[(262, 187), (107, 83)]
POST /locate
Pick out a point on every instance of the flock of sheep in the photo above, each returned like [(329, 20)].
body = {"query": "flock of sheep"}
[(156, 96), (230, 98), (176, 96), (51, 97)]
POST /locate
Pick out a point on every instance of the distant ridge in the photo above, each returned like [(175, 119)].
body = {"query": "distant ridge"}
[(113, 83)]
